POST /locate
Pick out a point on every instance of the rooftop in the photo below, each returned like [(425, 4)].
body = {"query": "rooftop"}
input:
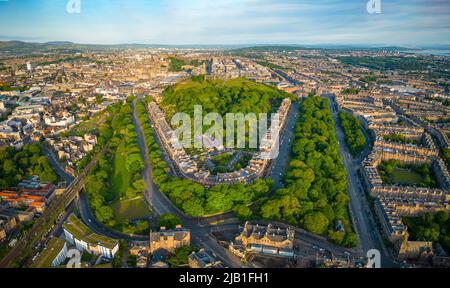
[(80, 231)]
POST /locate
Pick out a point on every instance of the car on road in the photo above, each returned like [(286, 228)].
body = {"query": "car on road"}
[(35, 257)]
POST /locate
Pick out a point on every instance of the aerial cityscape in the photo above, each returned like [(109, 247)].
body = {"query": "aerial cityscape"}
[(226, 135)]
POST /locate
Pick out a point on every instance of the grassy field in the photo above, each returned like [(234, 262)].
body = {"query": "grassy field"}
[(130, 209), (397, 172), (406, 177), (121, 176), (89, 126)]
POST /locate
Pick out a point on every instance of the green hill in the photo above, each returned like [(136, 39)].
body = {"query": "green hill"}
[(222, 96)]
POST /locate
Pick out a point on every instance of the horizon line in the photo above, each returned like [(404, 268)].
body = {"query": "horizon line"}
[(361, 45)]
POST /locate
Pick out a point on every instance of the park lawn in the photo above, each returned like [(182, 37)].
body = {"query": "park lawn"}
[(406, 177), (121, 178), (130, 209), (88, 126)]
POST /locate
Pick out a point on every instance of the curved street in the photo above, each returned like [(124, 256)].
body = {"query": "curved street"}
[(83, 205), (200, 235), (200, 227)]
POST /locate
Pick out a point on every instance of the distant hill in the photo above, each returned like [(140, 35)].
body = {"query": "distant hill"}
[(281, 48), (19, 47), (30, 47), (59, 43)]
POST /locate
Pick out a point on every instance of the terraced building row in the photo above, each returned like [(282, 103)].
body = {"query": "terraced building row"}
[(403, 140)]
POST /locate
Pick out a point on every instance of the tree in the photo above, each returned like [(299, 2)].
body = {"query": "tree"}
[(243, 212), (352, 130), (271, 210), (139, 185), (427, 218), (131, 261), (315, 193), (336, 236), (9, 167), (142, 226), (350, 240), (16, 165), (169, 221), (117, 261), (193, 207), (428, 234), (191, 197), (105, 215), (441, 217), (316, 222), (445, 241), (217, 200), (134, 163), (327, 210), (180, 257)]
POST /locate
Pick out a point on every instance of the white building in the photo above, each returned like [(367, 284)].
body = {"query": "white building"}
[(30, 66), (53, 255), (61, 257), (78, 234)]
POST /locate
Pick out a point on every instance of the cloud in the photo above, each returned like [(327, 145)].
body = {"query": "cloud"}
[(238, 22)]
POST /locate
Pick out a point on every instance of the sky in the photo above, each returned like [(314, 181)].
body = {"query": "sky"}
[(232, 22)]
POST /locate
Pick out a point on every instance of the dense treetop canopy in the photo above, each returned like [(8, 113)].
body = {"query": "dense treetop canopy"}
[(353, 134), (315, 195), (221, 96), (16, 165)]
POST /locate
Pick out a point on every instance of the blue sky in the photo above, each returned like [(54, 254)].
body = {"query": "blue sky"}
[(402, 22)]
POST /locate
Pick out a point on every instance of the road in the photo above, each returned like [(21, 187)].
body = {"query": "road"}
[(280, 163), (50, 218), (312, 239), (200, 235), (200, 232), (83, 205), (55, 164), (91, 222), (365, 226)]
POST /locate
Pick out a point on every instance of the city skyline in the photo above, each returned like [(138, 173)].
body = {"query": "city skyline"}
[(234, 134), (403, 23)]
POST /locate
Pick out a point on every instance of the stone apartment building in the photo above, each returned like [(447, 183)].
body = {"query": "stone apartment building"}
[(7, 223), (254, 234), (169, 239), (2, 232), (203, 259)]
